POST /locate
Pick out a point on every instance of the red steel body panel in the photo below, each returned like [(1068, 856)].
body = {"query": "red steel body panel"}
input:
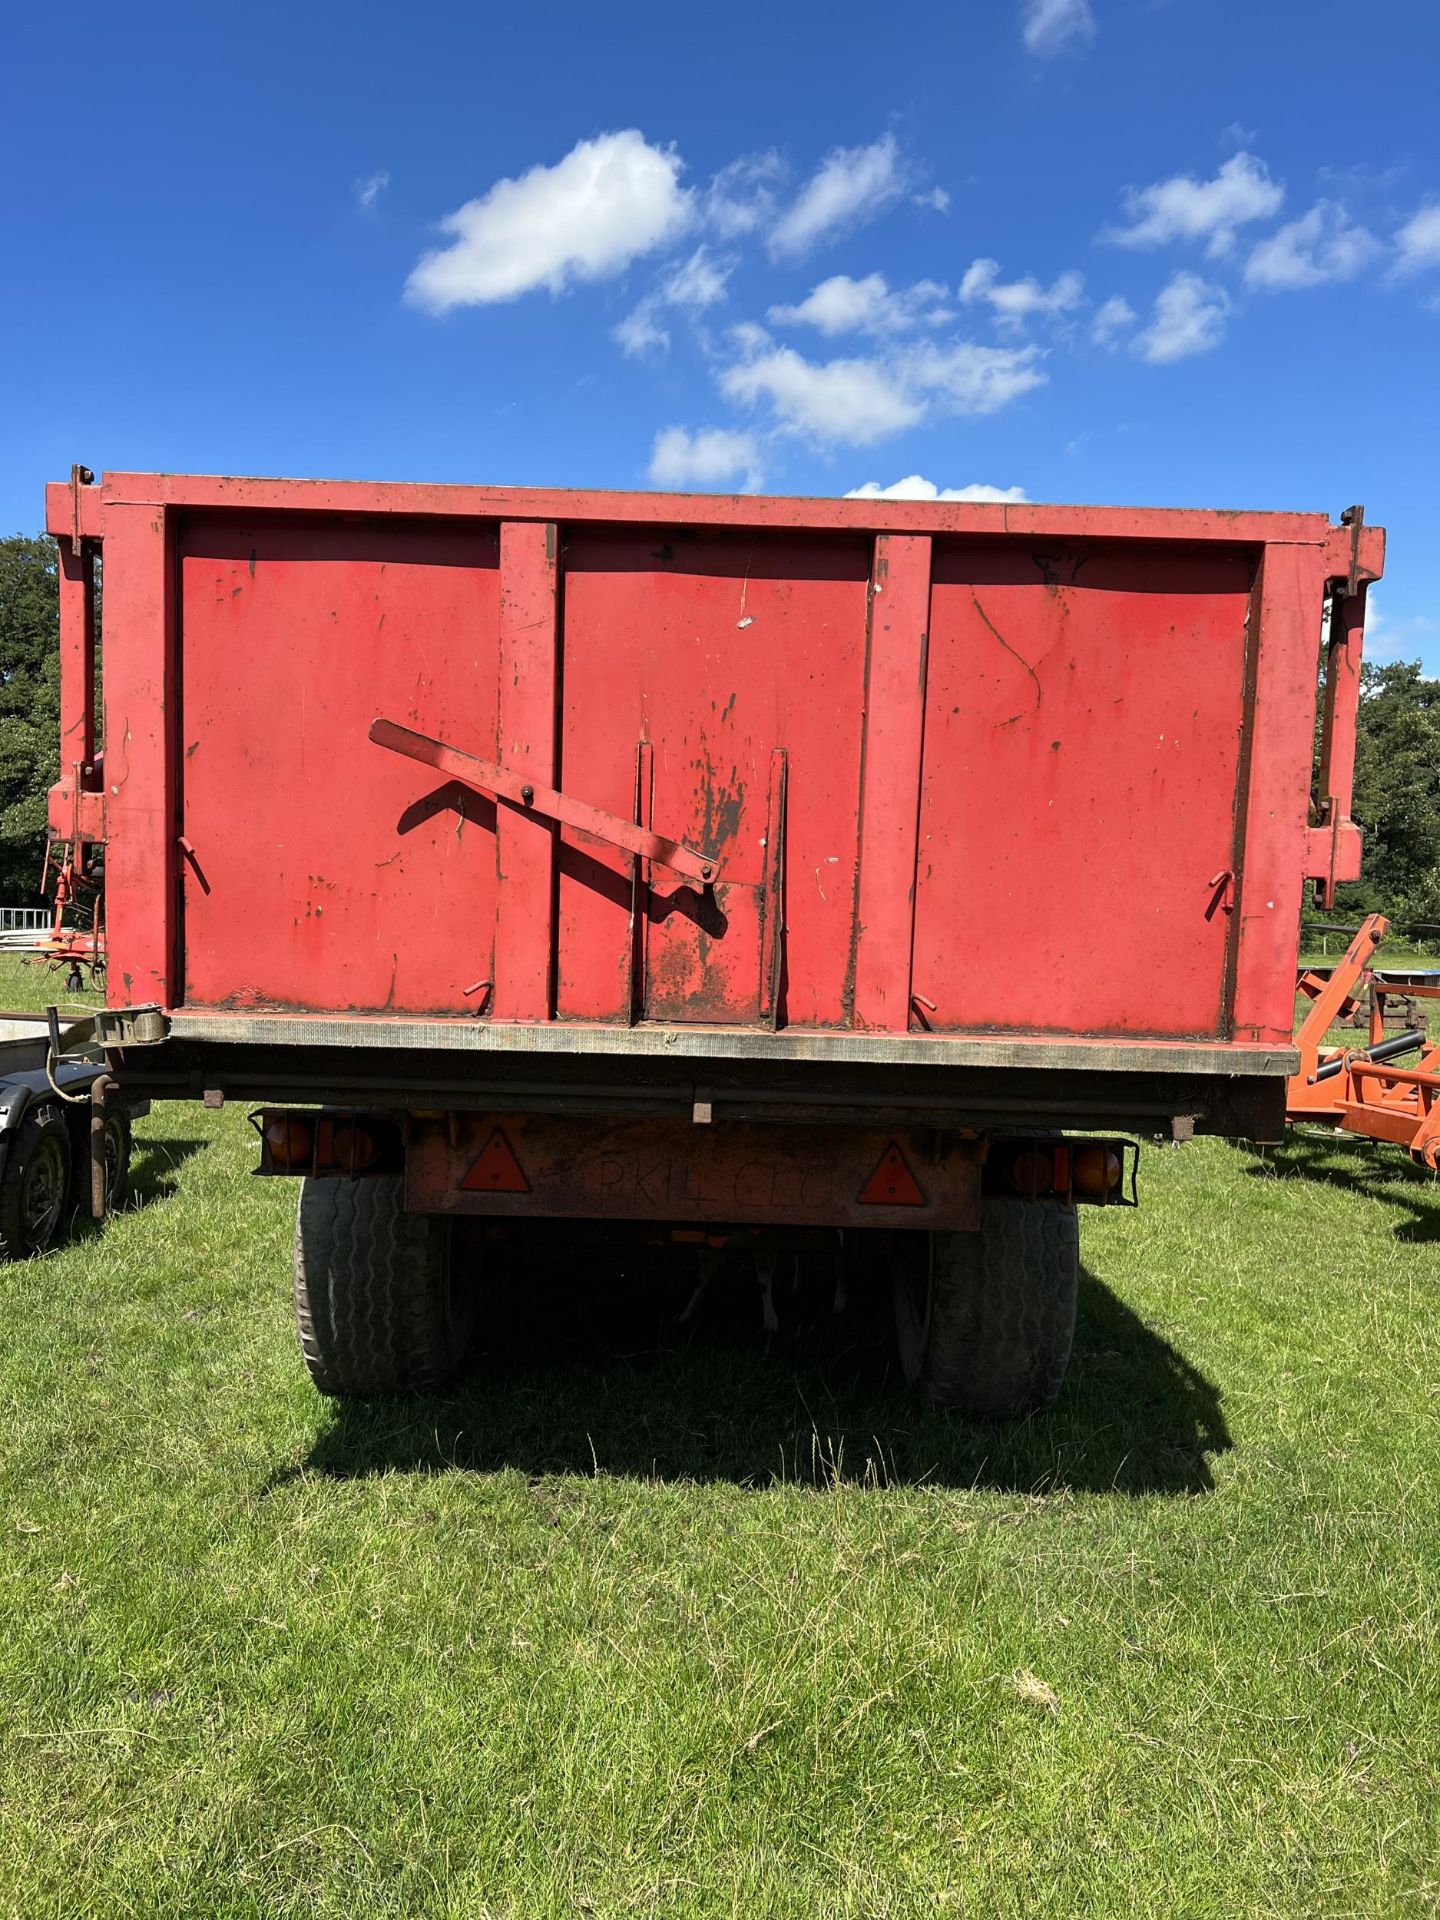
[(963, 769), (1084, 721), (712, 652), (325, 872)]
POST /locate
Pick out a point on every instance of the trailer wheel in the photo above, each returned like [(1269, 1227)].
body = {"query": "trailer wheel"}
[(378, 1304), (985, 1321), (117, 1158), (35, 1183)]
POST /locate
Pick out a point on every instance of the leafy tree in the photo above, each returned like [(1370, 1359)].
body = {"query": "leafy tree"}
[(29, 708), (1397, 794)]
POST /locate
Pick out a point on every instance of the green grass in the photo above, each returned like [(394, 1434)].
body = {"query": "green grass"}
[(1394, 951), (28, 986), (636, 1625)]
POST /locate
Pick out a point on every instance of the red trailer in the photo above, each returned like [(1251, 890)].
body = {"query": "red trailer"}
[(735, 868)]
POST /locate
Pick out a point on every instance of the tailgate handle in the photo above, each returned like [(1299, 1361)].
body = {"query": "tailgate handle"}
[(488, 777)]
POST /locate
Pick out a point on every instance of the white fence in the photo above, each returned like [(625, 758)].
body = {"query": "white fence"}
[(25, 919)]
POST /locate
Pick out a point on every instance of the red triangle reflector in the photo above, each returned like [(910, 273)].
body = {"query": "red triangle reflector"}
[(496, 1170), (892, 1184)]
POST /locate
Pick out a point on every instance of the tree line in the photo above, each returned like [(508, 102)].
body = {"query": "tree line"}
[(1397, 761), (29, 709)]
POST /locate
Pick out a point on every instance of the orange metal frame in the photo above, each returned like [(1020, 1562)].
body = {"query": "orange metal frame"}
[(66, 945), (1369, 1097)]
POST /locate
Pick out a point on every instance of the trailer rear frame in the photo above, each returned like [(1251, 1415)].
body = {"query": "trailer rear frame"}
[(762, 812)]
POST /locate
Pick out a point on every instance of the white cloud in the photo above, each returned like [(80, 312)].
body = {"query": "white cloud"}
[(1189, 317), (1411, 638), (967, 379), (1112, 317), (1381, 644), (856, 402), (1016, 301), (853, 402), (1417, 244), (936, 199), (851, 186), (640, 332), (915, 487), (843, 305), (695, 284), (745, 337), (1050, 26), (707, 458), (608, 201), (1184, 208), (1323, 244), (741, 197), (369, 189)]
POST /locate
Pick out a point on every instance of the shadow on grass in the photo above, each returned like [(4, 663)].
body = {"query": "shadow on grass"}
[(154, 1176), (1379, 1171), (583, 1370), (155, 1167)]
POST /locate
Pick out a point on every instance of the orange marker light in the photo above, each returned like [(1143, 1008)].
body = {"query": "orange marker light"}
[(290, 1141), (354, 1148), (1097, 1170), (1032, 1171)]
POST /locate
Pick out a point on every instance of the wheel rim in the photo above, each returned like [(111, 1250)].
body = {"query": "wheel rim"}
[(911, 1270), (43, 1197), (114, 1159)]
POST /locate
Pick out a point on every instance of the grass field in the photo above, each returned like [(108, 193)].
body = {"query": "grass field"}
[(632, 1624)]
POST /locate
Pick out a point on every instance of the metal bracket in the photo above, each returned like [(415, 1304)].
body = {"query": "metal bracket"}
[(79, 477), (1333, 855), (104, 1028), (1354, 519), (1222, 892)]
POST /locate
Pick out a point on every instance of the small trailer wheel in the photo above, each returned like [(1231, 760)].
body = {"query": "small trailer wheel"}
[(985, 1321), (35, 1183), (117, 1158), (378, 1303)]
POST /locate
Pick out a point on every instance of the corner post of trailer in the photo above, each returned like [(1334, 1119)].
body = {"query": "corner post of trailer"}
[(1271, 845)]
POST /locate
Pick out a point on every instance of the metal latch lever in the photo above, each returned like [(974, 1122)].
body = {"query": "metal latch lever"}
[(488, 777)]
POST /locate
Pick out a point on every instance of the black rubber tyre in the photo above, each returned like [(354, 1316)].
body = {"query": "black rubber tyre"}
[(377, 1304), (985, 1321), (35, 1185)]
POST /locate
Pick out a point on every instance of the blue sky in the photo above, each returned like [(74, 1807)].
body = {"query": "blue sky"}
[(1168, 252)]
